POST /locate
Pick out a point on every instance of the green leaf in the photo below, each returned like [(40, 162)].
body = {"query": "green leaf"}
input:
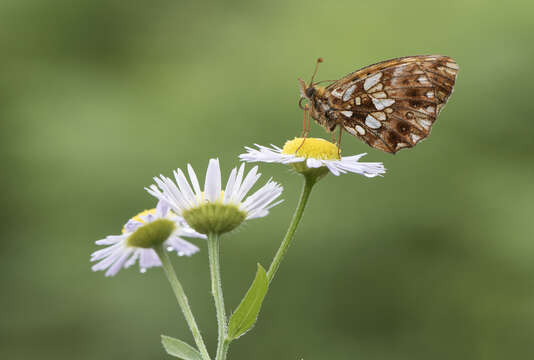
[(179, 349), (246, 314)]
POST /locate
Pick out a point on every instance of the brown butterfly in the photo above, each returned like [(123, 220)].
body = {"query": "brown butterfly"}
[(390, 105)]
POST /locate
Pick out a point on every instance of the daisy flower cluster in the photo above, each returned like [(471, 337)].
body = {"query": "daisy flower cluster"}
[(187, 210)]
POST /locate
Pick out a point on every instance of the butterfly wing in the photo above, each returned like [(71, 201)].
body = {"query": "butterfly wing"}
[(393, 104)]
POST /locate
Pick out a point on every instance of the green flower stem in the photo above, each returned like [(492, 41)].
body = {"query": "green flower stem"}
[(225, 346), (216, 290), (182, 300), (297, 216)]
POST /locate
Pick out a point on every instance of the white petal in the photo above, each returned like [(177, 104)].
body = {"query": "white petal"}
[(185, 188), (368, 169), (332, 167), (262, 197), (265, 154), (172, 193), (248, 183), (154, 191), (314, 163), (238, 181), (194, 180), (258, 213), (212, 186), (230, 186)]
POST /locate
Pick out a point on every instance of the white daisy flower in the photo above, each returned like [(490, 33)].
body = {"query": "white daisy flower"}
[(313, 153), (139, 236), (216, 210)]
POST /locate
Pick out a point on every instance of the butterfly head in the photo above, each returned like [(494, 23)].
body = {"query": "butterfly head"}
[(309, 91), (305, 90)]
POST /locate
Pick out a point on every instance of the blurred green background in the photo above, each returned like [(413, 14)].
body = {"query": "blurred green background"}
[(433, 261)]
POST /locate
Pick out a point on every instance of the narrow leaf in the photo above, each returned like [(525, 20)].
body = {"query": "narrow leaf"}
[(179, 349), (246, 314)]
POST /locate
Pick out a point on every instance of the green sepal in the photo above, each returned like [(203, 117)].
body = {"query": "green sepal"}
[(179, 349), (314, 174), (246, 314)]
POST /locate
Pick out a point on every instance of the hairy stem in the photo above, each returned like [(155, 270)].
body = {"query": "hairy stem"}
[(216, 290), (182, 301), (297, 216)]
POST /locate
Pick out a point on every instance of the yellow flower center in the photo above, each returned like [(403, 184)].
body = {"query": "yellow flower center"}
[(203, 197), (311, 148), (143, 213), (139, 218)]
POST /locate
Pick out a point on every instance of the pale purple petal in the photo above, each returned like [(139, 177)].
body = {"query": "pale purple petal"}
[(105, 252), (162, 208), (182, 247), (148, 259), (133, 258), (114, 269), (110, 240), (104, 264)]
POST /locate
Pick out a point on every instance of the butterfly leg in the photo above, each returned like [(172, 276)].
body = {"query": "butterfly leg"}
[(306, 126), (305, 123), (308, 116), (339, 141)]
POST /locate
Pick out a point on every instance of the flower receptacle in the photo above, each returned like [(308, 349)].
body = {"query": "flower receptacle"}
[(152, 234), (214, 218)]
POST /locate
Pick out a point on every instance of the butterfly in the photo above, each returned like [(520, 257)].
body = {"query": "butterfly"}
[(390, 105)]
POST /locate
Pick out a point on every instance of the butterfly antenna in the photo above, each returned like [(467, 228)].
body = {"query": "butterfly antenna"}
[(323, 81), (319, 60)]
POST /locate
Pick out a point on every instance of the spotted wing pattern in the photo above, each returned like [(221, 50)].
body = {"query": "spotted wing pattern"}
[(393, 104)]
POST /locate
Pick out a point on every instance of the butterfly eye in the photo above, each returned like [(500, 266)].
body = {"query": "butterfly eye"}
[(310, 91)]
